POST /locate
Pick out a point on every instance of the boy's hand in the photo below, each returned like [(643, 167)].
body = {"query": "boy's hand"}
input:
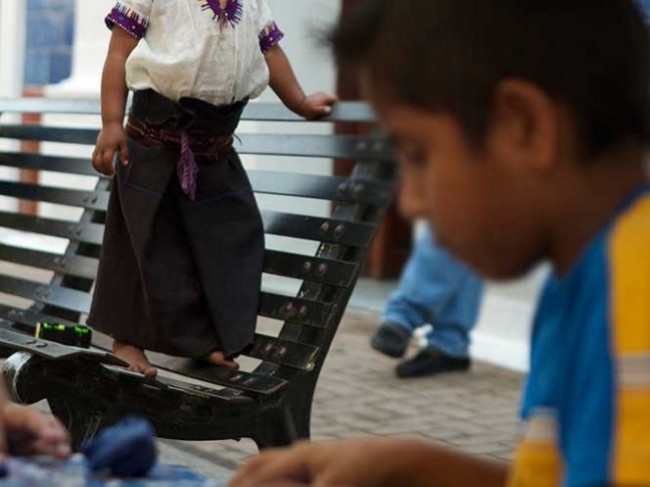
[(26, 431), (359, 463), (111, 139), (317, 105)]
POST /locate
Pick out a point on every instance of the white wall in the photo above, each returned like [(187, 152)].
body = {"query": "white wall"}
[(12, 45), (12, 58)]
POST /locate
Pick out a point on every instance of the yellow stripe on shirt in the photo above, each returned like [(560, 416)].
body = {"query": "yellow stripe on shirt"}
[(630, 315)]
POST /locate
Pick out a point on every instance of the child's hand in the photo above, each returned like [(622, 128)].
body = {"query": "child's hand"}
[(317, 105), (362, 463), (25, 431), (111, 139)]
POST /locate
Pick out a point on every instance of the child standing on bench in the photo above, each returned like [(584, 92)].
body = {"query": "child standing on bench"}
[(181, 263)]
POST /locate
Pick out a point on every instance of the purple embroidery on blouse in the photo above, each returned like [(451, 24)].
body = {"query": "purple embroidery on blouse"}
[(226, 12), (270, 37), (128, 19)]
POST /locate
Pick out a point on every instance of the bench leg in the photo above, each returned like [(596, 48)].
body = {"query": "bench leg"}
[(82, 422), (282, 428)]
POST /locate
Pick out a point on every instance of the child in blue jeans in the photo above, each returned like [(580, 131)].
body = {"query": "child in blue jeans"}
[(434, 289), (523, 129)]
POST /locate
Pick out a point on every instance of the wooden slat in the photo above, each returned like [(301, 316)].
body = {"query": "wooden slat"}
[(272, 112), (327, 146)]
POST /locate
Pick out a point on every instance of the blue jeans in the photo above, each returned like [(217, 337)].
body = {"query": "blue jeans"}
[(437, 290)]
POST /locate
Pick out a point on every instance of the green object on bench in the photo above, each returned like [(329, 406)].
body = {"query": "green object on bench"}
[(73, 335), (315, 254)]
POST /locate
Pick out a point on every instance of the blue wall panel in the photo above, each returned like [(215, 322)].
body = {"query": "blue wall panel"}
[(50, 36)]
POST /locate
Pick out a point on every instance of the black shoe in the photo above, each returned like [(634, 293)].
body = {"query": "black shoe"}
[(431, 362), (391, 340)]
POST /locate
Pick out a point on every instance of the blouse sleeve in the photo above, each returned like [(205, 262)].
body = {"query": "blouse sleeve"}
[(270, 34), (132, 16)]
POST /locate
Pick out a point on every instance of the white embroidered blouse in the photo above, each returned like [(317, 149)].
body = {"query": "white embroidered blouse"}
[(207, 49)]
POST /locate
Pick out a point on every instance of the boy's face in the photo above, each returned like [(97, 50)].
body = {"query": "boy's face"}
[(479, 199)]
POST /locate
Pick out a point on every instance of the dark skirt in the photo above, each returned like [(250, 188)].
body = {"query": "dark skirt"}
[(177, 276)]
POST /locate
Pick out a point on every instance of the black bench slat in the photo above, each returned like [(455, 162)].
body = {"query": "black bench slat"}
[(328, 146), (320, 187), (40, 133), (286, 225), (245, 381), (26, 320), (319, 229), (301, 311), (78, 266), (266, 182), (276, 306), (40, 162), (283, 352), (266, 348), (313, 269), (53, 350), (43, 293), (90, 200), (88, 233), (259, 112), (325, 271), (231, 396)]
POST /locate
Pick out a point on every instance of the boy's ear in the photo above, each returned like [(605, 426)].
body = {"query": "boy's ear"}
[(524, 126)]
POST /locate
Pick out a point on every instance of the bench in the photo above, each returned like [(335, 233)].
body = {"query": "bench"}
[(48, 263)]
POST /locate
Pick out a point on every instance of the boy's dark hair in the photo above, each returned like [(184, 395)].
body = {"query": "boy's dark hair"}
[(449, 55)]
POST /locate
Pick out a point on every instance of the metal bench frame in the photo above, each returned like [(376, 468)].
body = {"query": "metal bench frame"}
[(271, 404)]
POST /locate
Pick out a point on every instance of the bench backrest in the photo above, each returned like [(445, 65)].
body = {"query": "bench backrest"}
[(319, 227)]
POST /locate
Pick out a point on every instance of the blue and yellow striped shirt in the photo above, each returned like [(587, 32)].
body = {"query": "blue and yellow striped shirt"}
[(586, 408)]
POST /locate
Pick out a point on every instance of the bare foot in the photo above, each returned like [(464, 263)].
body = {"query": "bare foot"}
[(138, 361), (218, 358)]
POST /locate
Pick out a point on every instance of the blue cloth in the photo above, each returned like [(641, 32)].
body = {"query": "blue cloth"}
[(75, 473), (590, 360), (645, 7), (127, 449), (437, 290)]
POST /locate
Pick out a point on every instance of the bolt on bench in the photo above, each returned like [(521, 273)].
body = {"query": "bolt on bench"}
[(317, 258)]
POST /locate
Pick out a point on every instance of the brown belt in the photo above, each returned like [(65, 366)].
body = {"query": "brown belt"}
[(187, 143)]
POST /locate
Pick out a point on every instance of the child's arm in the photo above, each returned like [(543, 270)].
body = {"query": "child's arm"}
[(287, 87), (114, 93), (387, 462)]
